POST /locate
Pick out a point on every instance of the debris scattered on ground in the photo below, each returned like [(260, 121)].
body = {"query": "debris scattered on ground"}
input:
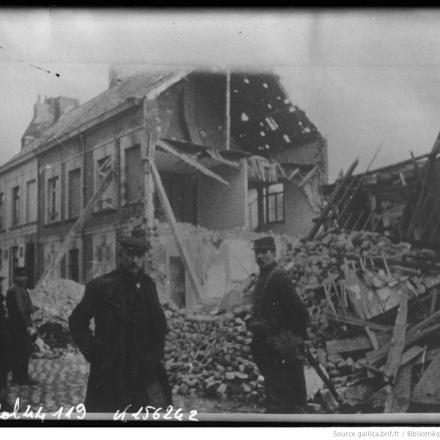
[(209, 356), (355, 285), (55, 300), (374, 326)]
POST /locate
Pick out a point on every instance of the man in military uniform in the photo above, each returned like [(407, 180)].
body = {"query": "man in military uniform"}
[(4, 354), (126, 349), (279, 325), (21, 329)]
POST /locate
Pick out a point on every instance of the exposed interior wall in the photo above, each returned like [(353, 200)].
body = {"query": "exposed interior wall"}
[(220, 260), (221, 207)]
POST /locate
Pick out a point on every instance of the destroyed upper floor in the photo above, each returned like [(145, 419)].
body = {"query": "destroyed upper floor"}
[(238, 110)]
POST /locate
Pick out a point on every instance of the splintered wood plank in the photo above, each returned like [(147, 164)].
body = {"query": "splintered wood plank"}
[(356, 343), (372, 337), (427, 390), (356, 322), (397, 343), (376, 357), (378, 399), (411, 354), (399, 397)]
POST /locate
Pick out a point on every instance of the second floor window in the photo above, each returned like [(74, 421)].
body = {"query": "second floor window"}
[(53, 208), (74, 200), (15, 205), (31, 201), (273, 203), (106, 201)]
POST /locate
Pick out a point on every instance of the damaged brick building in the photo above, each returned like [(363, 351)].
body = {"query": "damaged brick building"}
[(233, 153)]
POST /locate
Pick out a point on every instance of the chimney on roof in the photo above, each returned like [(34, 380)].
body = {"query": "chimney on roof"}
[(46, 113)]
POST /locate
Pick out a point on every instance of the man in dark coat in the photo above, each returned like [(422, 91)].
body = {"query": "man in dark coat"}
[(279, 325), (4, 354), (22, 332), (126, 349)]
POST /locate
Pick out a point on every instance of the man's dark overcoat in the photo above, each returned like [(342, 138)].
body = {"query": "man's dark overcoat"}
[(278, 307), (4, 344), (126, 350)]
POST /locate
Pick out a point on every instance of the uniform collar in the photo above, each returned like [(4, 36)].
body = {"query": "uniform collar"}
[(132, 277), (268, 268)]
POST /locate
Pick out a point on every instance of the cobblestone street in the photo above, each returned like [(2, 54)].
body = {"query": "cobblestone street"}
[(62, 383)]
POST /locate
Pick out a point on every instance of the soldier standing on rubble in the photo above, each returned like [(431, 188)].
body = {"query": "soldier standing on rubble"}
[(279, 325), (21, 328), (126, 350)]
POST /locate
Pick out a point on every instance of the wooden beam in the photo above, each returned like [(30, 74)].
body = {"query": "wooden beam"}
[(308, 176), (377, 356), (411, 354), (192, 162), (283, 173), (334, 197), (326, 288), (397, 343), (399, 397), (152, 128), (293, 174), (372, 337), (77, 226), (171, 219), (356, 322), (433, 304), (216, 156), (354, 344)]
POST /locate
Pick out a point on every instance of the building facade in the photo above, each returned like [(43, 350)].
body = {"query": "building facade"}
[(232, 151)]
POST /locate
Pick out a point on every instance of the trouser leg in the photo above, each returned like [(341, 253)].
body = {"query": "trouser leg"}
[(285, 388), (20, 369)]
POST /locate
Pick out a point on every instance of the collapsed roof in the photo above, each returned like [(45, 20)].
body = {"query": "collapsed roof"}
[(263, 120)]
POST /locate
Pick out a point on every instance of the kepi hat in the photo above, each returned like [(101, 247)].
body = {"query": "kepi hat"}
[(265, 243), (137, 241)]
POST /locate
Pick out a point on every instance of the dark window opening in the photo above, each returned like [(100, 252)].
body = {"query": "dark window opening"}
[(2, 212), (74, 201), (15, 205), (52, 202), (273, 203), (74, 264), (106, 201), (13, 262)]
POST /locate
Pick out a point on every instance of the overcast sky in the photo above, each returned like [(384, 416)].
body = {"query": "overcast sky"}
[(364, 78)]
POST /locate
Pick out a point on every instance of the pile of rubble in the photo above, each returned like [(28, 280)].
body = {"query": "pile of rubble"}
[(209, 356), (55, 300), (373, 310), (374, 317)]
